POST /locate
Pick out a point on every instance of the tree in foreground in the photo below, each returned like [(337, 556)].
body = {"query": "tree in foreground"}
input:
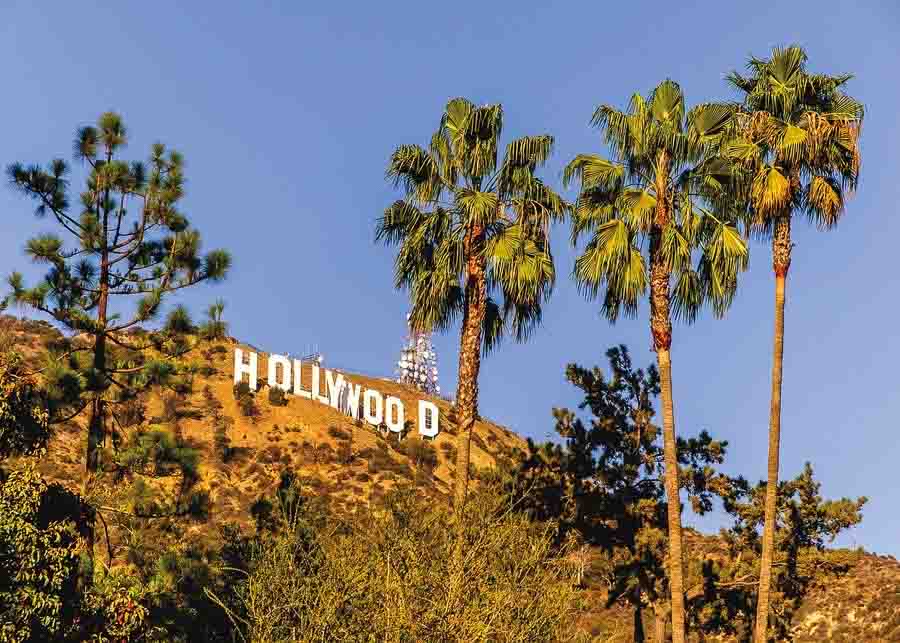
[(393, 574), (604, 485), (473, 237), (724, 603), (665, 191), (123, 239), (798, 139)]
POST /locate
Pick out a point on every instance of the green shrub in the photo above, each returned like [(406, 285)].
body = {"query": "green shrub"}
[(157, 451), (38, 558), (130, 413), (514, 587), (421, 453), (277, 396), (449, 450), (338, 433), (221, 441)]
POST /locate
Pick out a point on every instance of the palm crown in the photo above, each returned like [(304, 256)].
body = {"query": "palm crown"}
[(462, 204), (797, 135), (665, 184)]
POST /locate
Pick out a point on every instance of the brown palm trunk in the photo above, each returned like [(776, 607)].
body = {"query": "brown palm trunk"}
[(673, 501), (661, 328), (469, 357), (659, 624), (781, 262)]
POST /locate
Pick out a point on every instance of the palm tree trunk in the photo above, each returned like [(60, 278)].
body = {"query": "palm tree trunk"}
[(469, 358), (661, 328), (781, 262), (673, 501), (659, 625)]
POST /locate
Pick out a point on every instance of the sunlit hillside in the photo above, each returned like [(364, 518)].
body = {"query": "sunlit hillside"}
[(347, 460)]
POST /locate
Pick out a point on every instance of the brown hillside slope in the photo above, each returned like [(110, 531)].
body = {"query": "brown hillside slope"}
[(349, 461)]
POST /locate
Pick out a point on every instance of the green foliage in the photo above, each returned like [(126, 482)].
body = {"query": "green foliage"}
[(214, 328), (392, 575), (122, 239), (666, 188), (117, 609), (422, 453), (460, 188), (338, 433), (156, 450), (23, 409), (796, 140), (604, 485), (277, 396), (806, 523), (246, 400), (39, 557), (449, 450)]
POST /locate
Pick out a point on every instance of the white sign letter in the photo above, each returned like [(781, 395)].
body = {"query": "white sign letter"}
[(372, 416), (391, 405), (351, 398), (316, 389), (428, 418), (240, 368), (333, 388), (274, 362), (298, 380)]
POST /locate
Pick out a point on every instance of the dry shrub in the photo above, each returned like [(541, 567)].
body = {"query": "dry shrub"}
[(338, 433), (338, 582)]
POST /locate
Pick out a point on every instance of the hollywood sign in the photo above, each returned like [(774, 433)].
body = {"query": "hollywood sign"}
[(340, 393)]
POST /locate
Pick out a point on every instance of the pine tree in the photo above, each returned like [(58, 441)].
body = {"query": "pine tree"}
[(605, 484), (128, 242)]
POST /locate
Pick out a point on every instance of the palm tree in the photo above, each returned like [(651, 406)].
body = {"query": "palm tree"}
[(664, 191), (471, 228), (798, 139)]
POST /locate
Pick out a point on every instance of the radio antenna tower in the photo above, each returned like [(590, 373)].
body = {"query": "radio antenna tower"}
[(417, 365)]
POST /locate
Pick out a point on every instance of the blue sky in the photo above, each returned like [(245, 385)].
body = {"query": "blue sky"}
[(287, 115)]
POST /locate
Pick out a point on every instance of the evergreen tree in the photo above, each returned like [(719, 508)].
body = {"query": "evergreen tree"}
[(805, 523), (605, 485), (126, 241)]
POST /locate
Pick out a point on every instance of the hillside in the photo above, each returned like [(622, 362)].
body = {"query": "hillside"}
[(349, 464), (348, 461)]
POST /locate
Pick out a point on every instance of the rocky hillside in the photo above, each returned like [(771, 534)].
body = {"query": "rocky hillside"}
[(863, 605)]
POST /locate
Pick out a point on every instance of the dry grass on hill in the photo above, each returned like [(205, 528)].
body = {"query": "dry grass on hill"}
[(350, 462)]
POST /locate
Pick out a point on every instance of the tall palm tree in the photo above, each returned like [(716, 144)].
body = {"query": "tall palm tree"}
[(471, 228), (665, 192), (798, 139)]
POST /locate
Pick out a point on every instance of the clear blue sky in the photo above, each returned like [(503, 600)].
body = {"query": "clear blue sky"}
[(287, 115)]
